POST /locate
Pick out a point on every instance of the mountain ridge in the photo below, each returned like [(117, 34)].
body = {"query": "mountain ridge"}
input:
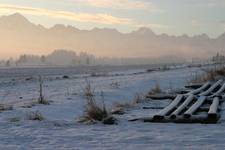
[(18, 33)]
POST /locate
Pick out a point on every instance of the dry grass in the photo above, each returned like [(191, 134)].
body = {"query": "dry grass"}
[(209, 75), (95, 112), (41, 99), (155, 90), (35, 116), (138, 98), (118, 107), (88, 90)]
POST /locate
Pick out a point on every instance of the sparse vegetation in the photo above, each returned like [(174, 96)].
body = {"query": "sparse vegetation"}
[(95, 112), (138, 98), (35, 116), (155, 90), (41, 99), (88, 90), (118, 108), (209, 75)]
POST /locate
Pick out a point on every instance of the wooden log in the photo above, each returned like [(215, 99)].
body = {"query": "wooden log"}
[(195, 107), (213, 87), (202, 88), (161, 114), (213, 110), (149, 107), (193, 86), (161, 96), (204, 108), (220, 91), (182, 106), (199, 118), (202, 118)]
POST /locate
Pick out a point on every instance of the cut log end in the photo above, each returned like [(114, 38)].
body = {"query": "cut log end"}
[(173, 116), (212, 116)]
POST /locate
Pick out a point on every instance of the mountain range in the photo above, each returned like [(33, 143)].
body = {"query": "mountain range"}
[(19, 36)]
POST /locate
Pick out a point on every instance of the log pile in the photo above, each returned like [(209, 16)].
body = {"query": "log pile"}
[(201, 105)]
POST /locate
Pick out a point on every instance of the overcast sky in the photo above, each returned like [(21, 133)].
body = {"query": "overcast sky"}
[(174, 17)]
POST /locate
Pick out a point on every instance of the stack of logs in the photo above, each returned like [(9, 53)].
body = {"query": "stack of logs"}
[(201, 105)]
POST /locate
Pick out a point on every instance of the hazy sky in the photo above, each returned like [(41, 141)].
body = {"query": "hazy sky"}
[(163, 16)]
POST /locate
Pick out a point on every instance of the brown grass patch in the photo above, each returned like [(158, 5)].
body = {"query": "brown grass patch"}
[(95, 112)]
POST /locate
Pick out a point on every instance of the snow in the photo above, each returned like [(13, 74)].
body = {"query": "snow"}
[(60, 130)]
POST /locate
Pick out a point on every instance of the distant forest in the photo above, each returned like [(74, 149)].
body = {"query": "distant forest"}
[(71, 58)]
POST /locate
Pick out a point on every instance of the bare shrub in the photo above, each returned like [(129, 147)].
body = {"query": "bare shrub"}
[(35, 116)]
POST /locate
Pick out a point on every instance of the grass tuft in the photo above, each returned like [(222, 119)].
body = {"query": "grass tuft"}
[(155, 90), (94, 112)]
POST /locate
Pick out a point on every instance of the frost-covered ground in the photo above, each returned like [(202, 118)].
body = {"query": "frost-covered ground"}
[(60, 130)]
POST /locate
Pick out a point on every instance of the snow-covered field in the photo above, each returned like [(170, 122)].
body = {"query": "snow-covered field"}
[(59, 129)]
